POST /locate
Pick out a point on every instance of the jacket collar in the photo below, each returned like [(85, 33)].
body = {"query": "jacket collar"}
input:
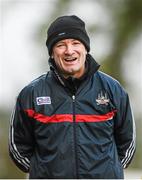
[(91, 65)]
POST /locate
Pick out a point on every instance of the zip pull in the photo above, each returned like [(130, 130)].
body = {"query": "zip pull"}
[(73, 98)]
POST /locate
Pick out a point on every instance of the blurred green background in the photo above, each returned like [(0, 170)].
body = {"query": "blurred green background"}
[(115, 30)]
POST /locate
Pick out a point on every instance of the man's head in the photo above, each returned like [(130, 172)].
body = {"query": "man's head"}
[(68, 44), (67, 27)]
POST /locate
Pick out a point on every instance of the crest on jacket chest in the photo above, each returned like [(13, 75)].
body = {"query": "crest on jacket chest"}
[(102, 98)]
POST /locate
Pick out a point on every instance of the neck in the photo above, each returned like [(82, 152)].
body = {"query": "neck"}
[(77, 76)]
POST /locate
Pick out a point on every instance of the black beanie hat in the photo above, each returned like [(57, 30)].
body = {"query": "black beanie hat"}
[(66, 27)]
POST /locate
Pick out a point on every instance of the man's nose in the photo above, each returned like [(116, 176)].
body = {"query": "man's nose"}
[(69, 49)]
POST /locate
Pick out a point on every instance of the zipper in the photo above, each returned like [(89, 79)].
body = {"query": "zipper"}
[(75, 137)]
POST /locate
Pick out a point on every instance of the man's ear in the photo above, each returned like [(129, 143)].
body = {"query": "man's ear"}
[(52, 56)]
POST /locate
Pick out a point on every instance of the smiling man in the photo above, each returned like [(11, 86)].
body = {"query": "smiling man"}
[(70, 56), (74, 121)]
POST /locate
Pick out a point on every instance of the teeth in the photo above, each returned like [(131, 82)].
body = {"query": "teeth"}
[(70, 59)]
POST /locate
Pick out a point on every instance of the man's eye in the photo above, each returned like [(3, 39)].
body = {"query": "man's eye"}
[(60, 45), (76, 43)]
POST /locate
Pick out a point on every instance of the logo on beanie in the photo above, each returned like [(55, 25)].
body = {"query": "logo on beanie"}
[(60, 34)]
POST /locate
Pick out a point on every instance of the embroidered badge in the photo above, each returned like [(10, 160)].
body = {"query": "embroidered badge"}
[(102, 99), (43, 100)]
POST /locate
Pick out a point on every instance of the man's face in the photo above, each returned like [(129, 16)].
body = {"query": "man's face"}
[(70, 56)]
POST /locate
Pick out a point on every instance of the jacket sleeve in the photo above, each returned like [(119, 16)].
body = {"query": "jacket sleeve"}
[(21, 141), (124, 131)]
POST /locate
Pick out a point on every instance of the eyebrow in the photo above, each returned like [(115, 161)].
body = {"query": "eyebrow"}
[(62, 41)]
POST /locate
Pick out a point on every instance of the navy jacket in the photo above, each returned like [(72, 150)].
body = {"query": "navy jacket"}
[(57, 134)]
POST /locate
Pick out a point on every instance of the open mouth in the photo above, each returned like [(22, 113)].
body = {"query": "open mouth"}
[(70, 59)]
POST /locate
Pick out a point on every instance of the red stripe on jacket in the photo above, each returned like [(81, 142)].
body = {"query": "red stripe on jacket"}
[(58, 118)]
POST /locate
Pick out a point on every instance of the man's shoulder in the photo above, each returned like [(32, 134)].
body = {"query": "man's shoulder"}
[(110, 82), (108, 78), (38, 80), (35, 84)]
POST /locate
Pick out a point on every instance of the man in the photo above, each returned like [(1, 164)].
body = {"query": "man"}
[(74, 121)]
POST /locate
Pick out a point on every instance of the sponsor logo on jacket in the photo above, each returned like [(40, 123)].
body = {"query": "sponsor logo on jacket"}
[(43, 100)]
